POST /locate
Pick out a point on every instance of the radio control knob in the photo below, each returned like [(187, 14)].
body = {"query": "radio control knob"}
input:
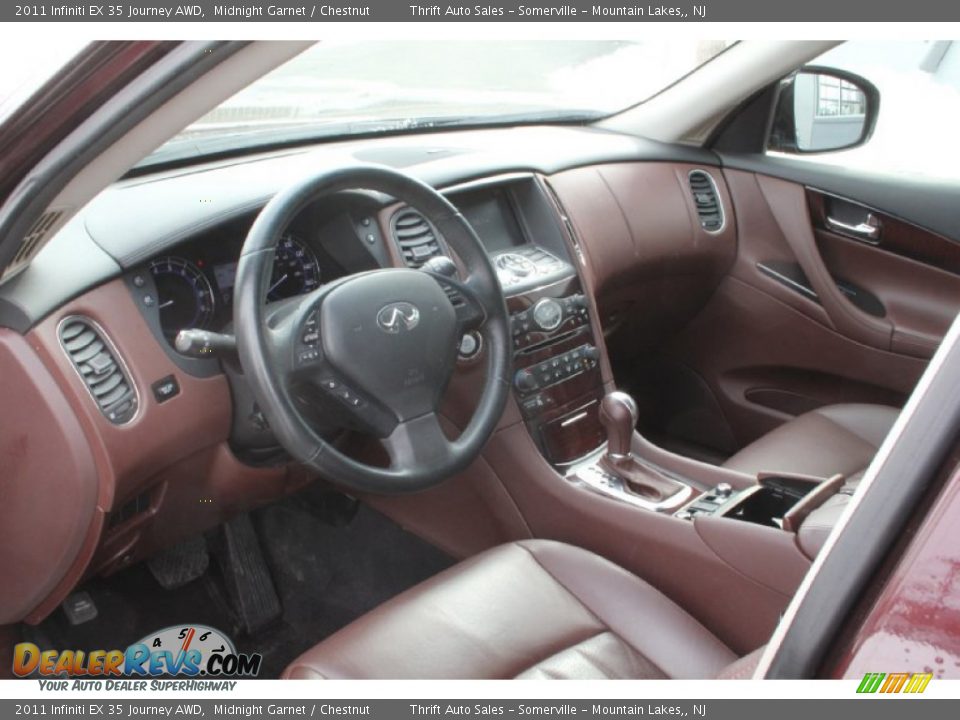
[(524, 381), (548, 314)]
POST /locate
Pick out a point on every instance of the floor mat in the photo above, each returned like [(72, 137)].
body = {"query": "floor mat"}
[(326, 576)]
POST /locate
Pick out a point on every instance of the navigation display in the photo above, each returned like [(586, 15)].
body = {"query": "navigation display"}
[(490, 212)]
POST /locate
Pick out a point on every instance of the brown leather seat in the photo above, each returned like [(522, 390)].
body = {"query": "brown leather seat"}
[(826, 441), (531, 609)]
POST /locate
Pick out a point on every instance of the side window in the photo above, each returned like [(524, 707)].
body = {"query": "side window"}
[(918, 88)]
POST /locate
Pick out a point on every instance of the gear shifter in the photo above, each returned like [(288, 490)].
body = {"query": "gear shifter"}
[(618, 415)]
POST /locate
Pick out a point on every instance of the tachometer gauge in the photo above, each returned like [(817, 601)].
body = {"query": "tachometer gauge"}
[(184, 296), (295, 269)]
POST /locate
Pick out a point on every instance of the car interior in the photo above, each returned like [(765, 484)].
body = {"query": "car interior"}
[(528, 400)]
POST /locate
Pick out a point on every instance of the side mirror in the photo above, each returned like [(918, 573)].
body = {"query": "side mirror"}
[(822, 110)]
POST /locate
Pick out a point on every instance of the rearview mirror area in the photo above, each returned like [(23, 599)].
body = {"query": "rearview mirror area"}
[(823, 110)]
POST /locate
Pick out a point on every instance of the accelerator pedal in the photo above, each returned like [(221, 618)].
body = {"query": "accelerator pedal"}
[(184, 562), (247, 578)]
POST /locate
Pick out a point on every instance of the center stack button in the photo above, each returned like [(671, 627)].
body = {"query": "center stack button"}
[(525, 381)]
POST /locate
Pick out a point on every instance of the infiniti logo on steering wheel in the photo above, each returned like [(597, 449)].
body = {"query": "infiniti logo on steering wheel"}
[(398, 316)]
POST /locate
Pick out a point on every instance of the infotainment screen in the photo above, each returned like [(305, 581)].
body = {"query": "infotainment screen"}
[(490, 212)]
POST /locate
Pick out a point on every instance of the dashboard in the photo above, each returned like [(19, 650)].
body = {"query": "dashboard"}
[(190, 285), (173, 442)]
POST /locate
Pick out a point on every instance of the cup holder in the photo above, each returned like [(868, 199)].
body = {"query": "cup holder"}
[(771, 500)]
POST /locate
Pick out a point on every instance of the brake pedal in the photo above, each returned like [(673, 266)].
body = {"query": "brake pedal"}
[(184, 562), (247, 578)]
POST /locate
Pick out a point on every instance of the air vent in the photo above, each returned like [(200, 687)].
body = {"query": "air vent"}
[(97, 363), (416, 238), (707, 200), (39, 233)]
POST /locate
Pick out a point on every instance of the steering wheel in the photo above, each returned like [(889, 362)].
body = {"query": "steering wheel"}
[(380, 345)]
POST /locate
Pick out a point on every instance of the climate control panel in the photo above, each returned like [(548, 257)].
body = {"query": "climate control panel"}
[(558, 379), (557, 369)]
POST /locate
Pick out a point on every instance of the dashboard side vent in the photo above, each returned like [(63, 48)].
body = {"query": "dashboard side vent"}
[(97, 363), (41, 231), (707, 200), (415, 237)]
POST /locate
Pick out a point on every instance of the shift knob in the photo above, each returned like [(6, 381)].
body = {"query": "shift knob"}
[(618, 415)]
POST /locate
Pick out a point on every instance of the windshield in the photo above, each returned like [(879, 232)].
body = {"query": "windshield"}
[(352, 87), (27, 65)]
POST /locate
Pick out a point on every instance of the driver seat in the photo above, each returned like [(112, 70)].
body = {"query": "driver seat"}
[(527, 610)]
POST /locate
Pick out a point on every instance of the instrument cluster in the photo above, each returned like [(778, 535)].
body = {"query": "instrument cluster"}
[(195, 283)]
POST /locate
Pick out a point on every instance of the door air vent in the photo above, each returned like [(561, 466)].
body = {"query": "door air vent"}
[(415, 237), (97, 363), (707, 200)]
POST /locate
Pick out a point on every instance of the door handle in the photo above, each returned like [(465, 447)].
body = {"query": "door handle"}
[(867, 231)]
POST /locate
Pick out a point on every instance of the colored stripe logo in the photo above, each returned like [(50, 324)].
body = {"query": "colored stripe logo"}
[(894, 683)]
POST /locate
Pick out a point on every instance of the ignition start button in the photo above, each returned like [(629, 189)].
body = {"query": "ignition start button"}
[(469, 345)]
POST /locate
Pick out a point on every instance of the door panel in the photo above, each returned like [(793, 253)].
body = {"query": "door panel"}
[(809, 317), (913, 273), (766, 362), (788, 205), (919, 301), (925, 203)]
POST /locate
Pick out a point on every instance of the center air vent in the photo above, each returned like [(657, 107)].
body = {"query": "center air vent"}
[(415, 237), (707, 200), (98, 366)]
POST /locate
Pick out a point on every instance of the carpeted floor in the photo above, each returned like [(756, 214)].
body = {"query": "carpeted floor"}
[(326, 574)]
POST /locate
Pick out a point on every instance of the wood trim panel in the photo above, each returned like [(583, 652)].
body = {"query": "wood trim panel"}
[(897, 236)]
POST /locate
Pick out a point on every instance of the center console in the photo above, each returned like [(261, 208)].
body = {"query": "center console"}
[(567, 463), (557, 380), (586, 434)]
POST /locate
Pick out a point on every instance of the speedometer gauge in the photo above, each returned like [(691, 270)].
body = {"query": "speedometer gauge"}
[(295, 269), (184, 295)]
